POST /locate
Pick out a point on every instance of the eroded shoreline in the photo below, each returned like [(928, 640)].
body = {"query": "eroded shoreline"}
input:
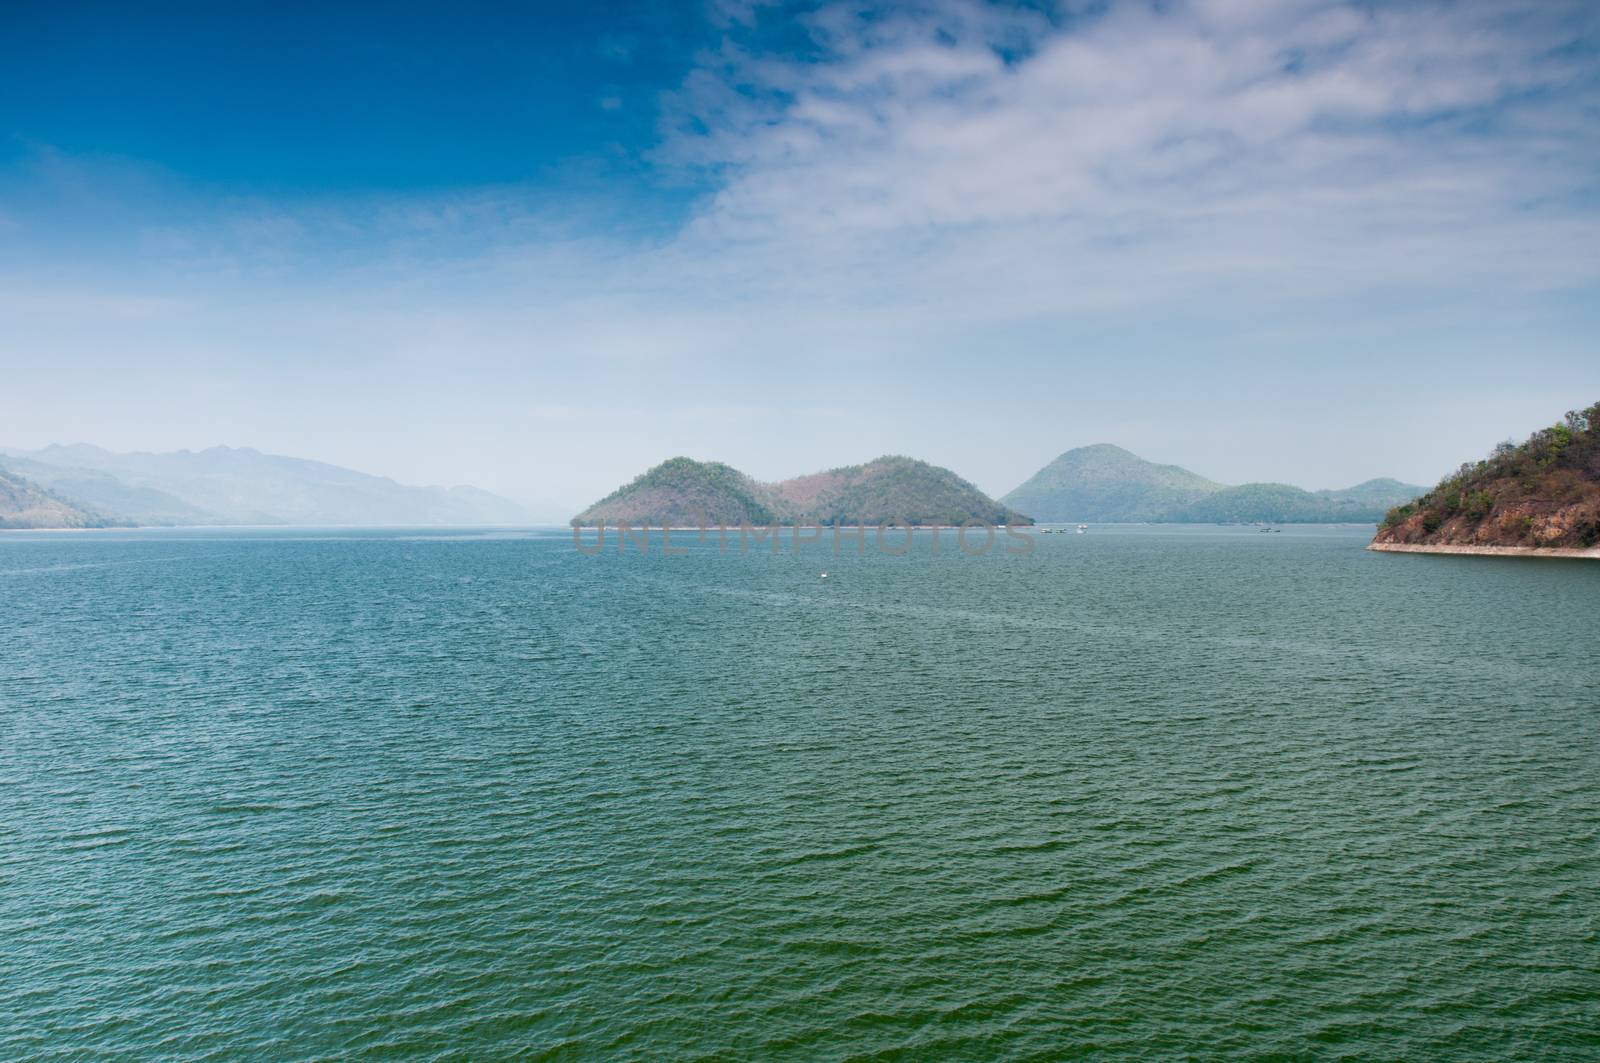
[(1592, 553)]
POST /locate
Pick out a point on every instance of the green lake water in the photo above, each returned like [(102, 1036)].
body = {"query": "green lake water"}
[(1145, 793)]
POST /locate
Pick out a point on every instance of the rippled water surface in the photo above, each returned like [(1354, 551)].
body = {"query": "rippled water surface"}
[(1146, 793)]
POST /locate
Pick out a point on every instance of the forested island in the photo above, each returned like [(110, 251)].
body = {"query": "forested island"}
[(1542, 497), (682, 492)]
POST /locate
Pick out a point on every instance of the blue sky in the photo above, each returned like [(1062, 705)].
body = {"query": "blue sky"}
[(538, 247)]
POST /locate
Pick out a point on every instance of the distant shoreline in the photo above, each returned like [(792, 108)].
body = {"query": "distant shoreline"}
[(1591, 554), (563, 527)]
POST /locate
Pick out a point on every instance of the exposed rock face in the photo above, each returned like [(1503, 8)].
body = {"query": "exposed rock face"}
[(1542, 494)]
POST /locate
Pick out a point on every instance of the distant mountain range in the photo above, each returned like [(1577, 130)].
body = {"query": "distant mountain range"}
[(227, 485), (24, 504), (82, 486), (686, 493), (1106, 484)]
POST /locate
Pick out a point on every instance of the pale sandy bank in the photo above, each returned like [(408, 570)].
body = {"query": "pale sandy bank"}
[(1593, 552)]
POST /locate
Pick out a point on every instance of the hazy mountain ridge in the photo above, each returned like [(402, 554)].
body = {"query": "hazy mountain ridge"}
[(106, 493), (1107, 484), (686, 493), (1544, 493), (227, 485), (1286, 504), (25, 504)]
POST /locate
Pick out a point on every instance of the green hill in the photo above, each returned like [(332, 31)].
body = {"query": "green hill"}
[(1107, 484), (1381, 492), (1284, 504), (682, 492), (1544, 493), (891, 488), (686, 493)]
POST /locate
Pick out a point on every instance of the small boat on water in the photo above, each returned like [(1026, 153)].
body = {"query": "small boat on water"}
[(1082, 528)]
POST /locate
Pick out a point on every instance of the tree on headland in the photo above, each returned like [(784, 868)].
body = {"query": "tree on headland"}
[(1543, 492)]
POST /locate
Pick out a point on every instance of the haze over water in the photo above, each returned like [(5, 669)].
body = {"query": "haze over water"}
[(1146, 793)]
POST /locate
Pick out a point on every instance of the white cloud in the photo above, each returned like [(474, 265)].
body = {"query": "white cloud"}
[(1166, 151)]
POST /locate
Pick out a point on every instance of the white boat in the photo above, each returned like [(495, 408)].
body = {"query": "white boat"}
[(1082, 528)]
